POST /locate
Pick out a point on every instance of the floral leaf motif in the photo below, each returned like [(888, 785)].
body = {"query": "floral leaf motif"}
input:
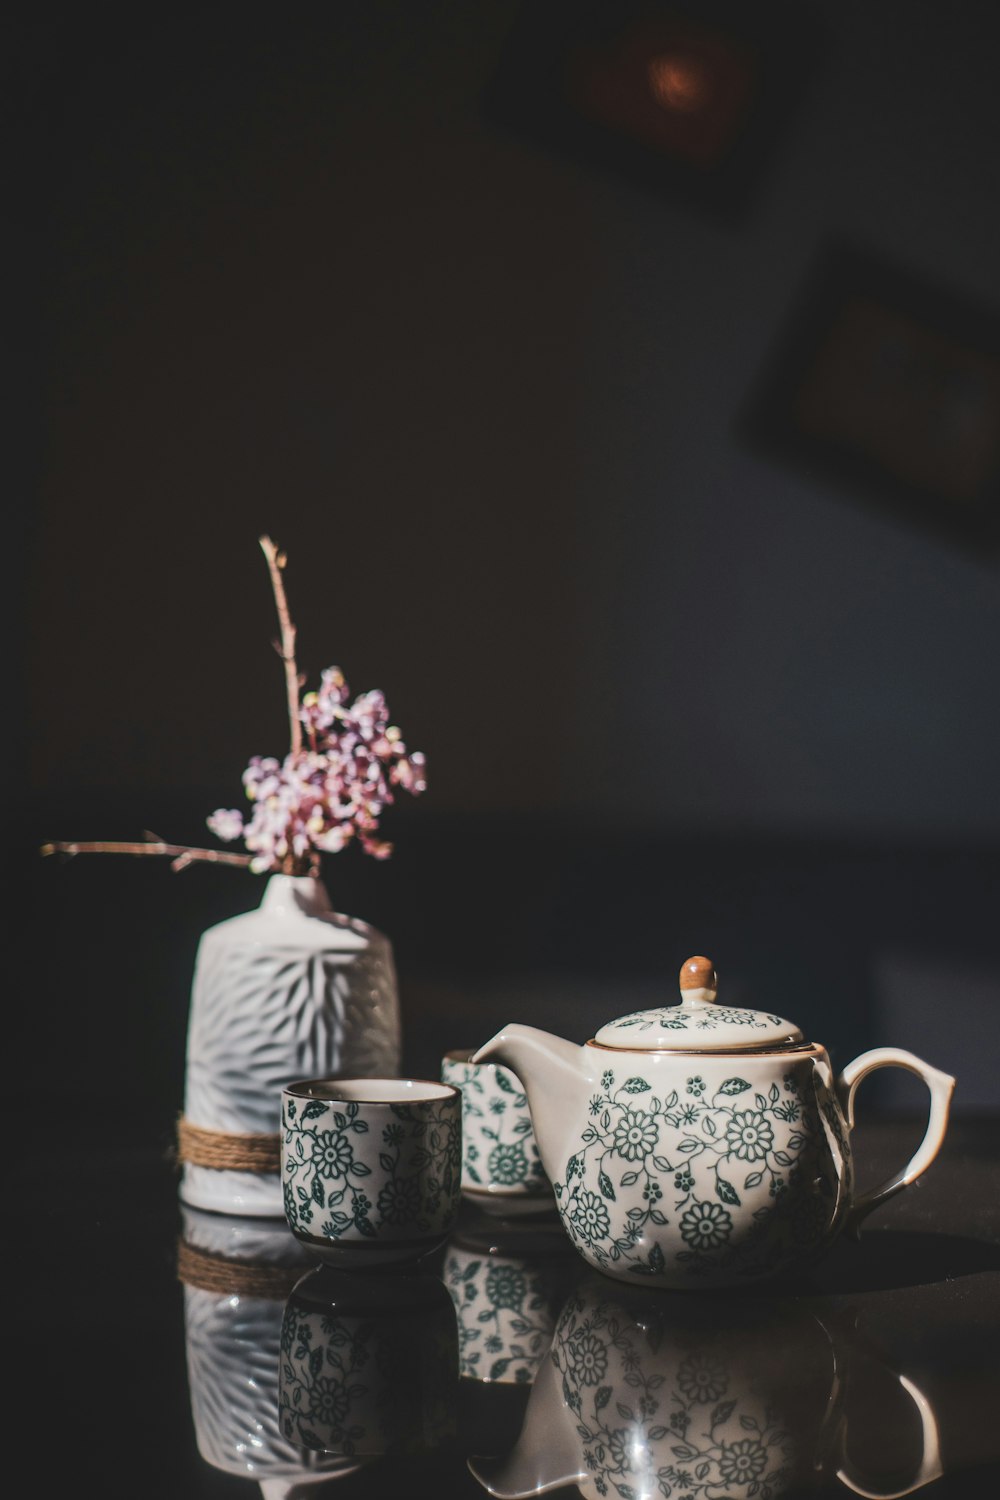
[(503, 1082), (721, 1412), (656, 1261), (603, 1397), (313, 1110), (604, 1183), (734, 1086), (635, 1086), (726, 1191), (753, 1179), (317, 1189)]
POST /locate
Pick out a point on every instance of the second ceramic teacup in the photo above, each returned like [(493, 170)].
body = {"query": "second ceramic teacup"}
[(371, 1167), (501, 1168)]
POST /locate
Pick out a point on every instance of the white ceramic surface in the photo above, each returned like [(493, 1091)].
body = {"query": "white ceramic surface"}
[(502, 1171), (371, 1167), (507, 1289), (232, 1345), (703, 1167), (289, 990), (641, 1397)]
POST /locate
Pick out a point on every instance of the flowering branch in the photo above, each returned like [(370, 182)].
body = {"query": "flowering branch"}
[(181, 854), (286, 650), (344, 767)]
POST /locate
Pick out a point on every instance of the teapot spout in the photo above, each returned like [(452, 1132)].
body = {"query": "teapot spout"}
[(552, 1074)]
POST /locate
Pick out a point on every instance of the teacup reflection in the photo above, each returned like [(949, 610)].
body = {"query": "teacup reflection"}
[(645, 1396), (508, 1280), (237, 1273), (369, 1363)]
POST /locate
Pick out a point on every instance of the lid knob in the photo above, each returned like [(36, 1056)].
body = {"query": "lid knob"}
[(698, 979)]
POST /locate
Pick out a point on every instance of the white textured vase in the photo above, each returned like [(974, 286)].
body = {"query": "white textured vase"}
[(287, 991)]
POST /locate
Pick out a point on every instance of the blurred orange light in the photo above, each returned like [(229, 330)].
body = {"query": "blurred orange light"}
[(679, 83)]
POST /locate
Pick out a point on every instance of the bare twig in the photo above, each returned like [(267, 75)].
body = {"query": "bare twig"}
[(276, 561), (180, 854)]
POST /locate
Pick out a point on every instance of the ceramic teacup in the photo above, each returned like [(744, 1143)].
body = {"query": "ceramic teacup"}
[(501, 1169), (371, 1167)]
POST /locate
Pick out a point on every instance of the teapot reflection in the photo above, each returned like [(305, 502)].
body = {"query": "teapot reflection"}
[(369, 1363), (236, 1273), (641, 1395)]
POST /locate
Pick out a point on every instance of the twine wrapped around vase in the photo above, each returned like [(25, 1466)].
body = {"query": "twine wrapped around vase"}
[(225, 1150)]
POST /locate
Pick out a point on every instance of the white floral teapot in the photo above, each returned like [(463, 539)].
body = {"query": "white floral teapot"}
[(703, 1146)]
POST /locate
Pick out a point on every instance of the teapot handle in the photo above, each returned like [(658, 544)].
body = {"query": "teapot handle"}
[(940, 1086), (930, 1456)]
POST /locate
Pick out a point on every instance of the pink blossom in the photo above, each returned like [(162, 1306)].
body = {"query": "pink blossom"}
[(318, 800), (226, 824)]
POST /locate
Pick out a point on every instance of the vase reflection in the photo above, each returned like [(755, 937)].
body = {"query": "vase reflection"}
[(650, 1396), (236, 1273), (368, 1364)]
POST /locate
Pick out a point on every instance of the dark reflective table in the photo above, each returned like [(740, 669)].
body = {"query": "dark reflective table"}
[(161, 1350)]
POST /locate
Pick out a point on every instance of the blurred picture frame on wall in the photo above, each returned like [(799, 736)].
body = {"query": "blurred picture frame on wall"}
[(688, 99), (886, 382)]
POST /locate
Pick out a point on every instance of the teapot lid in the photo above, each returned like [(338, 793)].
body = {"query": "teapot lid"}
[(698, 1024)]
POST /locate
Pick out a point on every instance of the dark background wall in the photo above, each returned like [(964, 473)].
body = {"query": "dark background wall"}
[(298, 271)]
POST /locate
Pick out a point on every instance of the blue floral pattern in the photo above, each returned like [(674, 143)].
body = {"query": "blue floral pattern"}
[(705, 1018), (656, 1420), (339, 1184), (729, 1151), (499, 1149), (506, 1308), (370, 1383)]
